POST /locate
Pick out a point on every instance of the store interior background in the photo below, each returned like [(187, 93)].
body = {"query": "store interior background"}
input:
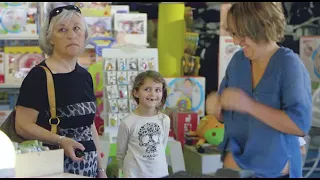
[(303, 17), (206, 22)]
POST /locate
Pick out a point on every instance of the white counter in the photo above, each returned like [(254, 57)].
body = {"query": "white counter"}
[(62, 175)]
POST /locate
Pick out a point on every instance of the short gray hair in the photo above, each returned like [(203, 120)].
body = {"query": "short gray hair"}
[(47, 29)]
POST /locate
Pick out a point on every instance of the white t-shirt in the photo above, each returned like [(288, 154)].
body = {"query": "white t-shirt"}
[(141, 144)]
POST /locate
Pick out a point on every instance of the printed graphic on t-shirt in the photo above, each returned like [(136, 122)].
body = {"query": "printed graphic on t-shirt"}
[(78, 109), (149, 137)]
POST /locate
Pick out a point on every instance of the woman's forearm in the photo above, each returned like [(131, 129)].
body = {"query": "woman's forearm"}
[(32, 131), (96, 141), (274, 118)]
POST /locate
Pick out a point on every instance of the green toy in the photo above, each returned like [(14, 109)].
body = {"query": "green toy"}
[(214, 136)]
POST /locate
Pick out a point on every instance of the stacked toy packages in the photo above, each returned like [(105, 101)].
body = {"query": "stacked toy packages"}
[(120, 70)]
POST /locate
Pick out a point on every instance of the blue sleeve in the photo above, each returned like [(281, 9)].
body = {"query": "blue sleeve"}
[(296, 93)]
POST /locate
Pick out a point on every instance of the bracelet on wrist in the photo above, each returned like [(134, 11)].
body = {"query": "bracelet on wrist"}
[(60, 139)]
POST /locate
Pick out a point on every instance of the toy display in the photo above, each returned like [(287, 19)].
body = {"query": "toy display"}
[(186, 93), (19, 61), (88, 9), (96, 71), (94, 9), (188, 15), (190, 62), (18, 4), (310, 55), (120, 67), (226, 50), (209, 130), (190, 65), (191, 42), (18, 21), (131, 28), (100, 26)]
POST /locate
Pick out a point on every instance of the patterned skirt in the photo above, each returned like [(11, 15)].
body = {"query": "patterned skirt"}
[(87, 167)]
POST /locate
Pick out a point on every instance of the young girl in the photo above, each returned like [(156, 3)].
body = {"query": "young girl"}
[(143, 134)]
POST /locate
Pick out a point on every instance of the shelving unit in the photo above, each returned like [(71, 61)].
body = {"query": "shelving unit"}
[(89, 46), (9, 92), (9, 86), (14, 37)]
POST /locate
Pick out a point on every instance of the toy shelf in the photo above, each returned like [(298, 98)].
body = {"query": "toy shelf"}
[(10, 86), (15, 37)]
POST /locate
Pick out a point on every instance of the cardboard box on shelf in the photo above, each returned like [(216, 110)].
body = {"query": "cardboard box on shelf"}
[(182, 122)]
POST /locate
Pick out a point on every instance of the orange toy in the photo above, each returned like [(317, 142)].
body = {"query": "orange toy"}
[(208, 124)]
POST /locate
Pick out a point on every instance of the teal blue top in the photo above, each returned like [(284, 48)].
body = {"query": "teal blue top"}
[(286, 86)]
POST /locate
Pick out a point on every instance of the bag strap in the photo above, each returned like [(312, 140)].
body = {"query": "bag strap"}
[(52, 100)]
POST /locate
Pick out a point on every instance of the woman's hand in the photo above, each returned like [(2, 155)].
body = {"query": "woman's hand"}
[(236, 100), (213, 105), (69, 145), (102, 174)]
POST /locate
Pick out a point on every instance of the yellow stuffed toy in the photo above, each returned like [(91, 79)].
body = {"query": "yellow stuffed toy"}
[(209, 130)]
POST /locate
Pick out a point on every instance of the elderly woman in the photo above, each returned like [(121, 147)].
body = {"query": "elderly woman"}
[(63, 38), (265, 95)]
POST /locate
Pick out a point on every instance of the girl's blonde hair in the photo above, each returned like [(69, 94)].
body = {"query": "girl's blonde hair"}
[(156, 77)]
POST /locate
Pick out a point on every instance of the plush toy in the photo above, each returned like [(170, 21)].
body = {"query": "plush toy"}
[(209, 130)]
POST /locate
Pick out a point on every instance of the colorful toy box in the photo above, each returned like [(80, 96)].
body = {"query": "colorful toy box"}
[(94, 9), (186, 93), (19, 61), (100, 26), (18, 21), (131, 28)]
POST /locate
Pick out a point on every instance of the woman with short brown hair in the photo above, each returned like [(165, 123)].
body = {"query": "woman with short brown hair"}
[(265, 96)]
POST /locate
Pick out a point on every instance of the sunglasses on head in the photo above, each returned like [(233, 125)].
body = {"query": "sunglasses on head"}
[(58, 10)]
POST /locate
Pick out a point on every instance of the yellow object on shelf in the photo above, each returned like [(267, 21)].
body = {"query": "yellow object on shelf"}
[(22, 49), (190, 65), (189, 18), (171, 34), (191, 42), (90, 9)]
